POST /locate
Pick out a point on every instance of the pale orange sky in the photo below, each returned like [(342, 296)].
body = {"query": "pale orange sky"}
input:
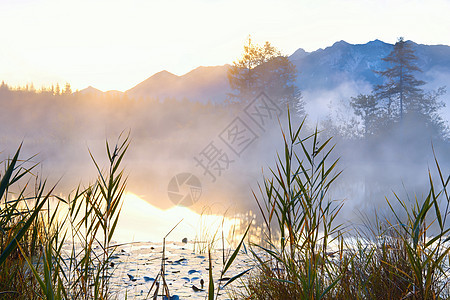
[(116, 44)]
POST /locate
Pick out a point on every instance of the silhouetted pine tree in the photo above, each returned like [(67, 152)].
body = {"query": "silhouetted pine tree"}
[(365, 106), (401, 88), (403, 96)]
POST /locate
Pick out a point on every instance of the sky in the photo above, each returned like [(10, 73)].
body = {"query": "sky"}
[(115, 44)]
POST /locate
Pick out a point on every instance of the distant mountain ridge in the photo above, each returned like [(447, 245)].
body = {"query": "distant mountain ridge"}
[(323, 69), (201, 84), (329, 67)]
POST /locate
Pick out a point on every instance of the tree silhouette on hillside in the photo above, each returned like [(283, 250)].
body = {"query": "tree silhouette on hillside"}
[(264, 68)]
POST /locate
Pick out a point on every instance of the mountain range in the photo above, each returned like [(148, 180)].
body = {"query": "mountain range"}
[(323, 69)]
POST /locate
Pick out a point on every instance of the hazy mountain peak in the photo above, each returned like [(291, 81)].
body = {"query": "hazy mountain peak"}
[(341, 42), (90, 90), (164, 74), (299, 54), (205, 69), (376, 41)]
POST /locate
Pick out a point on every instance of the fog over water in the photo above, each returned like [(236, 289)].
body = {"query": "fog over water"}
[(167, 135)]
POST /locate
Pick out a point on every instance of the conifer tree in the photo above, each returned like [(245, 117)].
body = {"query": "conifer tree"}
[(401, 88), (67, 89), (365, 106), (57, 89), (404, 96)]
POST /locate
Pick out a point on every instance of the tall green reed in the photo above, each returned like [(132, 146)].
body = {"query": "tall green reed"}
[(425, 248), (228, 258), (89, 219), (296, 206), (20, 227)]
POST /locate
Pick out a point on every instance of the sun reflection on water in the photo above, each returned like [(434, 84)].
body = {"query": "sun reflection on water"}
[(141, 221)]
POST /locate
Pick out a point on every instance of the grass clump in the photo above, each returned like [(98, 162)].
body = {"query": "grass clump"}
[(405, 256), (305, 255), (34, 240)]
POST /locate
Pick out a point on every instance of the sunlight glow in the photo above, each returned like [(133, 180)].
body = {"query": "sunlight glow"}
[(114, 45), (140, 221)]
